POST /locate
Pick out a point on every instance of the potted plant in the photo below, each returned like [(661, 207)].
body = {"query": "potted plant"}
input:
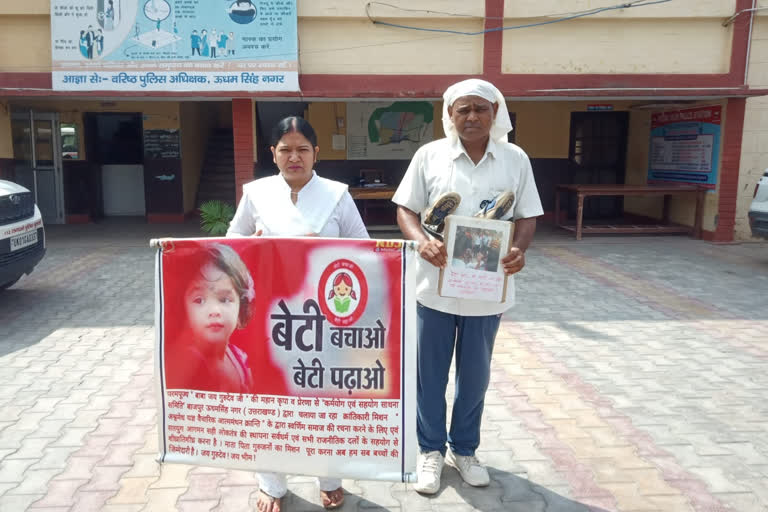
[(215, 217)]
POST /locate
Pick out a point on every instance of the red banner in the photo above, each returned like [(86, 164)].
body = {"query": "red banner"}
[(288, 355)]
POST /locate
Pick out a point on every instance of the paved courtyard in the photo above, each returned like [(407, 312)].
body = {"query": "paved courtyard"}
[(631, 376)]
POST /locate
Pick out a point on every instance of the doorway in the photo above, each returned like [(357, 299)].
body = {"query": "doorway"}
[(597, 155), (114, 144), (37, 161)]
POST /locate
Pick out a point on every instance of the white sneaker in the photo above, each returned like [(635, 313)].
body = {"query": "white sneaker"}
[(428, 470), (470, 469)]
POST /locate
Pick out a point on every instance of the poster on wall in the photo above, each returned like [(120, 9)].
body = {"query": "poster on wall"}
[(174, 45), (685, 146), (290, 355), (388, 130), (162, 144)]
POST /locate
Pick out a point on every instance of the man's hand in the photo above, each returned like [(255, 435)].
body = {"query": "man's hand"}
[(431, 250), (514, 261), (434, 252)]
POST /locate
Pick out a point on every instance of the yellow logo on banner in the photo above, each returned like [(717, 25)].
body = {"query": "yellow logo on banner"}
[(388, 244)]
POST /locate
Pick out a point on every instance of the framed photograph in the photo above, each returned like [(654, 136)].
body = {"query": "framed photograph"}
[(475, 248)]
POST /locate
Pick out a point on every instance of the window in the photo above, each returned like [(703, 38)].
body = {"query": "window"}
[(70, 142)]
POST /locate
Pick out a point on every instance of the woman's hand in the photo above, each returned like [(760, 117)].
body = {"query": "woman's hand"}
[(258, 232)]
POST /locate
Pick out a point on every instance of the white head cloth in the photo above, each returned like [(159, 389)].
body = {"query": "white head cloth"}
[(486, 90)]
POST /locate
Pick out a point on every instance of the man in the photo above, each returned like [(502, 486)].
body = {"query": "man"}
[(473, 170), (90, 40), (195, 42), (214, 43)]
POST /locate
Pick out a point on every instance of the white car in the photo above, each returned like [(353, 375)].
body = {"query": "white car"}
[(22, 236), (758, 211)]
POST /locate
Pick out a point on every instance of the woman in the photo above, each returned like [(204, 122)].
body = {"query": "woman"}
[(204, 42), (83, 44), (296, 202)]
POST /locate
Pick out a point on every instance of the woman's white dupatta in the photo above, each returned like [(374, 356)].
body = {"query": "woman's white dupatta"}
[(278, 215)]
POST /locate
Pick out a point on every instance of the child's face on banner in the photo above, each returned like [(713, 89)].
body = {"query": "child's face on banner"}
[(212, 306), (341, 289)]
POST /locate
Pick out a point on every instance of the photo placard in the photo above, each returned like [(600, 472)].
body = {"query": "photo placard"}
[(475, 248)]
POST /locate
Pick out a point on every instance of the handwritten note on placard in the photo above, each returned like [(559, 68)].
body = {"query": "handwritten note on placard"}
[(475, 248), (162, 144), (467, 283)]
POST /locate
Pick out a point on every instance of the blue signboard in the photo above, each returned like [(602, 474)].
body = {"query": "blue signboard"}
[(685, 146), (174, 45)]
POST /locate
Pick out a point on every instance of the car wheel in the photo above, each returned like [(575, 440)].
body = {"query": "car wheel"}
[(9, 284)]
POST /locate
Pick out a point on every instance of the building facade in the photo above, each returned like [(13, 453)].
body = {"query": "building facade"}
[(588, 91)]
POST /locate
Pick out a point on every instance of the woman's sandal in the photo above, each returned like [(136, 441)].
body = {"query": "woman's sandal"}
[(332, 499), (271, 503)]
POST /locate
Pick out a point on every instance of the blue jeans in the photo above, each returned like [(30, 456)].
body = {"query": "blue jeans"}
[(473, 337)]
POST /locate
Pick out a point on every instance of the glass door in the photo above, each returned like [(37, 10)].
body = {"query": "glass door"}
[(37, 156)]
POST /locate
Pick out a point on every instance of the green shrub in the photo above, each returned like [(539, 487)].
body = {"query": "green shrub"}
[(215, 217)]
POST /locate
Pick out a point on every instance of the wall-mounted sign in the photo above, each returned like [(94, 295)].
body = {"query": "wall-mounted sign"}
[(162, 144), (685, 145), (599, 107), (388, 131), (174, 45)]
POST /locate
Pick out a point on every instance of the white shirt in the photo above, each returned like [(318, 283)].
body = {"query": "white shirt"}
[(324, 207), (444, 166)]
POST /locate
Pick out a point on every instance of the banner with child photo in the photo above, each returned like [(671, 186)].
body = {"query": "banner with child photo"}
[(289, 355)]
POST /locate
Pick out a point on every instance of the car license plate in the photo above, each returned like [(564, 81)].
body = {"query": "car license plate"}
[(25, 240)]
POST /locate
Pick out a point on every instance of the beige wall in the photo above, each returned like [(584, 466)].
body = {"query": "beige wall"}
[(34, 54), (6, 141), (619, 46), (543, 131), (638, 141), (26, 7), (322, 116), (543, 128), (336, 37), (356, 8), (754, 149), (198, 120), (355, 46), (682, 208), (758, 55), (754, 161), (156, 114), (676, 9)]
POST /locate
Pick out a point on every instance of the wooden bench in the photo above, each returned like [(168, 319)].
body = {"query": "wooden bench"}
[(371, 192), (584, 191)]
